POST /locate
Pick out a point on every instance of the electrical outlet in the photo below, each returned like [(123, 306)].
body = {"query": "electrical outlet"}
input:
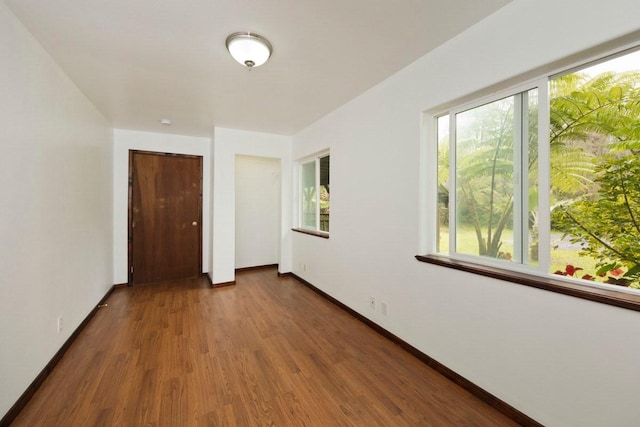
[(60, 323), (383, 308), (372, 303)]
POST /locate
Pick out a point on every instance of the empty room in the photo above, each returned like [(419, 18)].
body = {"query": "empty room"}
[(319, 213)]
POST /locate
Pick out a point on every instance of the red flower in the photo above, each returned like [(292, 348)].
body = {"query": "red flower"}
[(616, 272), (571, 270)]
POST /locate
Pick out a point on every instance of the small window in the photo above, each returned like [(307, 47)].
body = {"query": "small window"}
[(315, 194)]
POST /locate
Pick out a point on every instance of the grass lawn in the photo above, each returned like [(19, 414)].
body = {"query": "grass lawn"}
[(467, 243), (560, 258)]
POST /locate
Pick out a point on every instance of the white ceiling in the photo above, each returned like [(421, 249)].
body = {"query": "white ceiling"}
[(140, 61)]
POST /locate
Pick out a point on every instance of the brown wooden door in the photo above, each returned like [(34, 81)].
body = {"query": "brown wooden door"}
[(165, 217)]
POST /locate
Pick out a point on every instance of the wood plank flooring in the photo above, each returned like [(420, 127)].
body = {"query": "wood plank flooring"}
[(266, 352)]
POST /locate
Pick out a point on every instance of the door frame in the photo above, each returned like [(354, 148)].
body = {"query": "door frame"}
[(130, 206)]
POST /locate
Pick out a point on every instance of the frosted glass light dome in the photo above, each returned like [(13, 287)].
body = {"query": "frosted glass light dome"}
[(249, 49)]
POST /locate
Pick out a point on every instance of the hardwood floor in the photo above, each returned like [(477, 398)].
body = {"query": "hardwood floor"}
[(266, 352)]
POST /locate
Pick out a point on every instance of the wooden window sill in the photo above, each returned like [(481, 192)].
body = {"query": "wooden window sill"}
[(605, 296), (311, 232)]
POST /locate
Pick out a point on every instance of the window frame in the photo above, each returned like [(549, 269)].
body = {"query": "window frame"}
[(301, 227), (536, 276), (521, 156)]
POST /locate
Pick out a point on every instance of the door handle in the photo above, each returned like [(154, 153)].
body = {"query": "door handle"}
[(194, 223)]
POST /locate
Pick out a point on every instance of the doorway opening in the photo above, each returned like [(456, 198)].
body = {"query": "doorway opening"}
[(257, 211)]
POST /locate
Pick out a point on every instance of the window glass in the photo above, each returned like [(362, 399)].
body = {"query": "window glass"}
[(529, 212), (595, 172), (309, 194), (442, 233), (324, 193), (484, 179)]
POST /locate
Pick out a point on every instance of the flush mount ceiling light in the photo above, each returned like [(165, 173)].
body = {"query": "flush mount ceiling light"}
[(249, 49)]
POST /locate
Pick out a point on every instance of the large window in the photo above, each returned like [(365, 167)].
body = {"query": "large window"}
[(315, 194), (546, 178)]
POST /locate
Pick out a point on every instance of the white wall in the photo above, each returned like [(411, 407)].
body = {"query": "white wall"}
[(125, 140), (257, 211), (55, 209), (227, 144), (561, 360)]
